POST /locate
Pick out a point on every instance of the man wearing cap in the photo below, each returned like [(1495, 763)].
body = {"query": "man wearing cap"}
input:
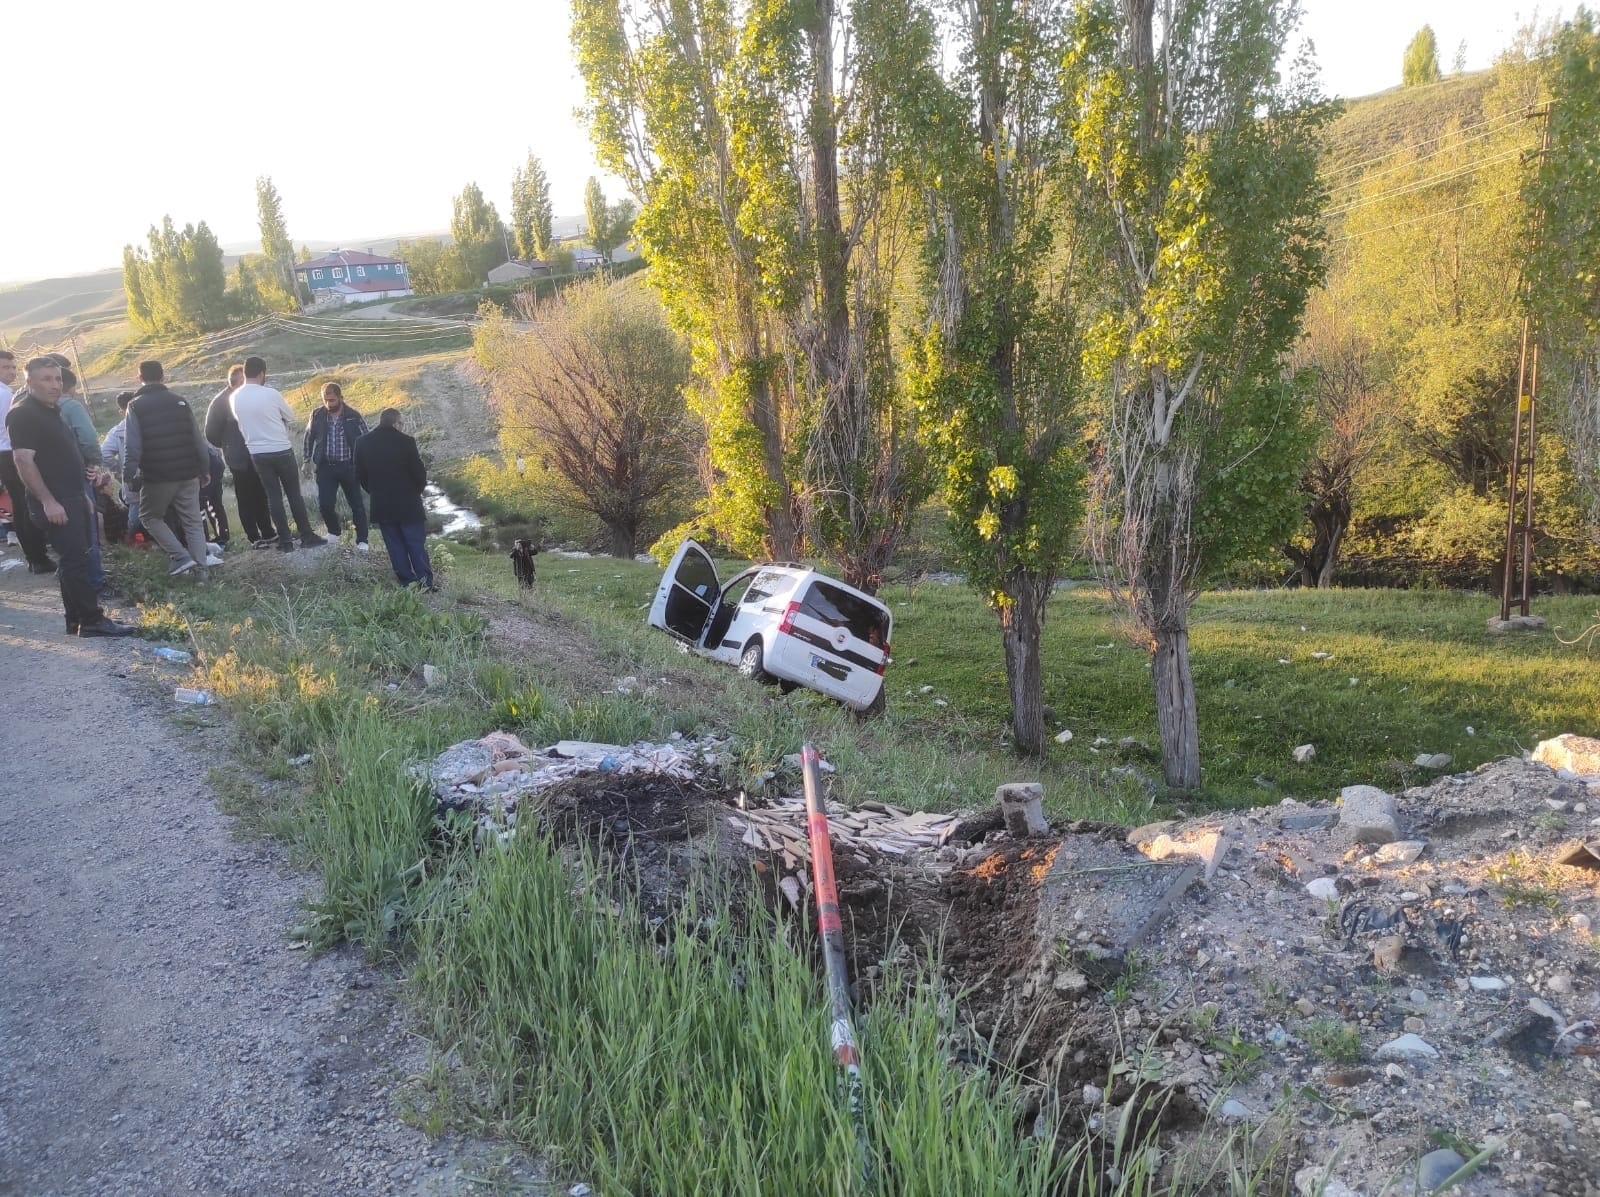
[(51, 468)]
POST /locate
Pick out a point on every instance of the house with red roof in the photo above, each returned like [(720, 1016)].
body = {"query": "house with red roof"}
[(350, 276)]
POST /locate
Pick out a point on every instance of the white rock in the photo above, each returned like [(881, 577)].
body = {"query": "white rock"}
[(924, 689), (1234, 1111), (1071, 983), (1305, 753), (1092, 1095), (432, 676), (1324, 889), (1559, 983), (1321, 656), (1315, 1180), (1581, 923), (1432, 760), (1400, 852), (1063, 736), (1581, 754), (1487, 984), (1370, 813), (1409, 1046)]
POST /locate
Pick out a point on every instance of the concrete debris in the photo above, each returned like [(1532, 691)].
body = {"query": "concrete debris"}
[(1409, 1046), (1370, 814), (1400, 852), (1324, 889), (1517, 623), (1581, 754), (1021, 804), (1207, 845), (1305, 754), (1435, 761), (1582, 855), (1487, 984), (490, 778)]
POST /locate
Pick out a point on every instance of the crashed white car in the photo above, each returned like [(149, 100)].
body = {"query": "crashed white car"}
[(781, 623)]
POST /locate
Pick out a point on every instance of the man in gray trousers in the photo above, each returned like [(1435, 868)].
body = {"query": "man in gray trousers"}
[(166, 459)]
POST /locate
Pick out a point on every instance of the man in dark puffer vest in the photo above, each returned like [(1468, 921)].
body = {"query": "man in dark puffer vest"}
[(167, 460)]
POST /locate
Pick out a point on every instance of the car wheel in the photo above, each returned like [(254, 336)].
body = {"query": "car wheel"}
[(876, 707), (750, 662)]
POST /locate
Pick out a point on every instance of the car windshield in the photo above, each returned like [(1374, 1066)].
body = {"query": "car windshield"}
[(841, 609)]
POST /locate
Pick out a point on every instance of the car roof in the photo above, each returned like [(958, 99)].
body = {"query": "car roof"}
[(805, 571)]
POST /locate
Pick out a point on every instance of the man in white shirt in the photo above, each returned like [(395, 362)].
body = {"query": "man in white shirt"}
[(29, 535), (269, 429)]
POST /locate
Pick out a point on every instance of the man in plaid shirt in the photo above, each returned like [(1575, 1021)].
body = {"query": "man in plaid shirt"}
[(330, 447)]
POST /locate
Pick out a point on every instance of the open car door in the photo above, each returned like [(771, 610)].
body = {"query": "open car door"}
[(688, 594)]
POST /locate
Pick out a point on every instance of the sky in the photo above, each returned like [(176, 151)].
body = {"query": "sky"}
[(370, 116)]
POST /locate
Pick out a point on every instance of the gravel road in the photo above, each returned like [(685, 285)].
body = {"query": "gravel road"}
[(158, 1034)]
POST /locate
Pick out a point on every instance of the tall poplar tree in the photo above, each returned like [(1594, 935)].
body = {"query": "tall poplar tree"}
[(1201, 161), (278, 285), (480, 237), (531, 212)]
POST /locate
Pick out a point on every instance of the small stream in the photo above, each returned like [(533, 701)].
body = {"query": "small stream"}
[(457, 519)]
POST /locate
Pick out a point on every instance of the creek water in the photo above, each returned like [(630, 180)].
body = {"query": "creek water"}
[(457, 519)]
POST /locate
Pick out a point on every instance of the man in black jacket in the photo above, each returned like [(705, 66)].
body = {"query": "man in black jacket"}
[(331, 436), (167, 460), (222, 430), (390, 470)]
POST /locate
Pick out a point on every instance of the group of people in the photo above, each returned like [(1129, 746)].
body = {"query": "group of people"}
[(167, 467)]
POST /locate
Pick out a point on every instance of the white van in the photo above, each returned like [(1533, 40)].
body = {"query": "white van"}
[(782, 623)]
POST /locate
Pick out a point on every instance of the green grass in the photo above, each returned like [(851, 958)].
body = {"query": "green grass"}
[(1426, 670)]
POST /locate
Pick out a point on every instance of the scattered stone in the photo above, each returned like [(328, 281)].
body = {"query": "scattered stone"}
[(1580, 855), (1093, 1095), (1022, 805), (1305, 754), (1400, 852), (1386, 952), (1559, 984), (1394, 1072), (1305, 1006), (579, 1191), (1437, 1167), (1316, 1180), (1487, 984), (1581, 923), (432, 676), (1409, 1046), (1316, 821), (1149, 831), (1324, 889), (1581, 754), (1560, 806), (1071, 983), (1432, 760), (1063, 736), (1234, 1111), (1209, 847), (1415, 1024), (628, 685), (1517, 623), (1370, 814), (1419, 998)]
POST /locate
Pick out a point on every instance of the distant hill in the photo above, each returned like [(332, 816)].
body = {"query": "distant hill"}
[(1374, 125)]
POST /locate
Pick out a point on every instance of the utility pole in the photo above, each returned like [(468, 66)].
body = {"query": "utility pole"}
[(1516, 586)]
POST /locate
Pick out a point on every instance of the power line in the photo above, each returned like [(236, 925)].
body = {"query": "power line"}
[(1416, 185), (1424, 216), (1428, 157), (1503, 118)]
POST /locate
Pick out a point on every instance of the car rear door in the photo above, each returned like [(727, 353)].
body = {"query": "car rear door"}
[(843, 642), (687, 595)]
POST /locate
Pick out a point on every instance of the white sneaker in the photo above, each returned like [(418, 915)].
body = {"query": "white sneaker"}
[(363, 547), (213, 548), (182, 567), (213, 559)]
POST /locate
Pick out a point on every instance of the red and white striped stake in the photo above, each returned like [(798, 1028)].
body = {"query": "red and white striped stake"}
[(831, 928)]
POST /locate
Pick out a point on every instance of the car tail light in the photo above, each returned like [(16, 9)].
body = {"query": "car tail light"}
[(883, 664), (788, 618)]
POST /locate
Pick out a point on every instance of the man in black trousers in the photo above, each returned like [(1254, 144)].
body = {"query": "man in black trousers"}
[(51, 467), (222, 430), (390, 470)]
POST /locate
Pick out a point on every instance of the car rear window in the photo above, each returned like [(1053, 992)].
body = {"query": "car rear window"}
[(841, 609)]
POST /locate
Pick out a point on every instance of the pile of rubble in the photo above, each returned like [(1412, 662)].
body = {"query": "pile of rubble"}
[(490, 778)]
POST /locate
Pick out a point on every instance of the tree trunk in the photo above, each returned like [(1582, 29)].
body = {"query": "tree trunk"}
[(624, 540), (1021, 626), (1175, 710)]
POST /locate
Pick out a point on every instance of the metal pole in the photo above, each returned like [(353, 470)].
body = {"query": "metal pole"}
[(1515, 477), (842, 1032)]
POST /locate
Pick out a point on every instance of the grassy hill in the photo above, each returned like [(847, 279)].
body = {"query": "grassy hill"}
[(1376, 124)]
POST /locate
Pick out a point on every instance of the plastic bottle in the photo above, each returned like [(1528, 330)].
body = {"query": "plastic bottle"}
[(194, 698), (176, 655)]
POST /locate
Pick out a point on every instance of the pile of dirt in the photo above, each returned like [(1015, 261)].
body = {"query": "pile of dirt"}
[(1435, 992)]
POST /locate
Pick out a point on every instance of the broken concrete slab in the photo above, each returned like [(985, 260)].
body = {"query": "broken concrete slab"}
[(1313, 821), (1582, 855), (1208, 847), (1370, 814), (1581, 754), (1099, 901)]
